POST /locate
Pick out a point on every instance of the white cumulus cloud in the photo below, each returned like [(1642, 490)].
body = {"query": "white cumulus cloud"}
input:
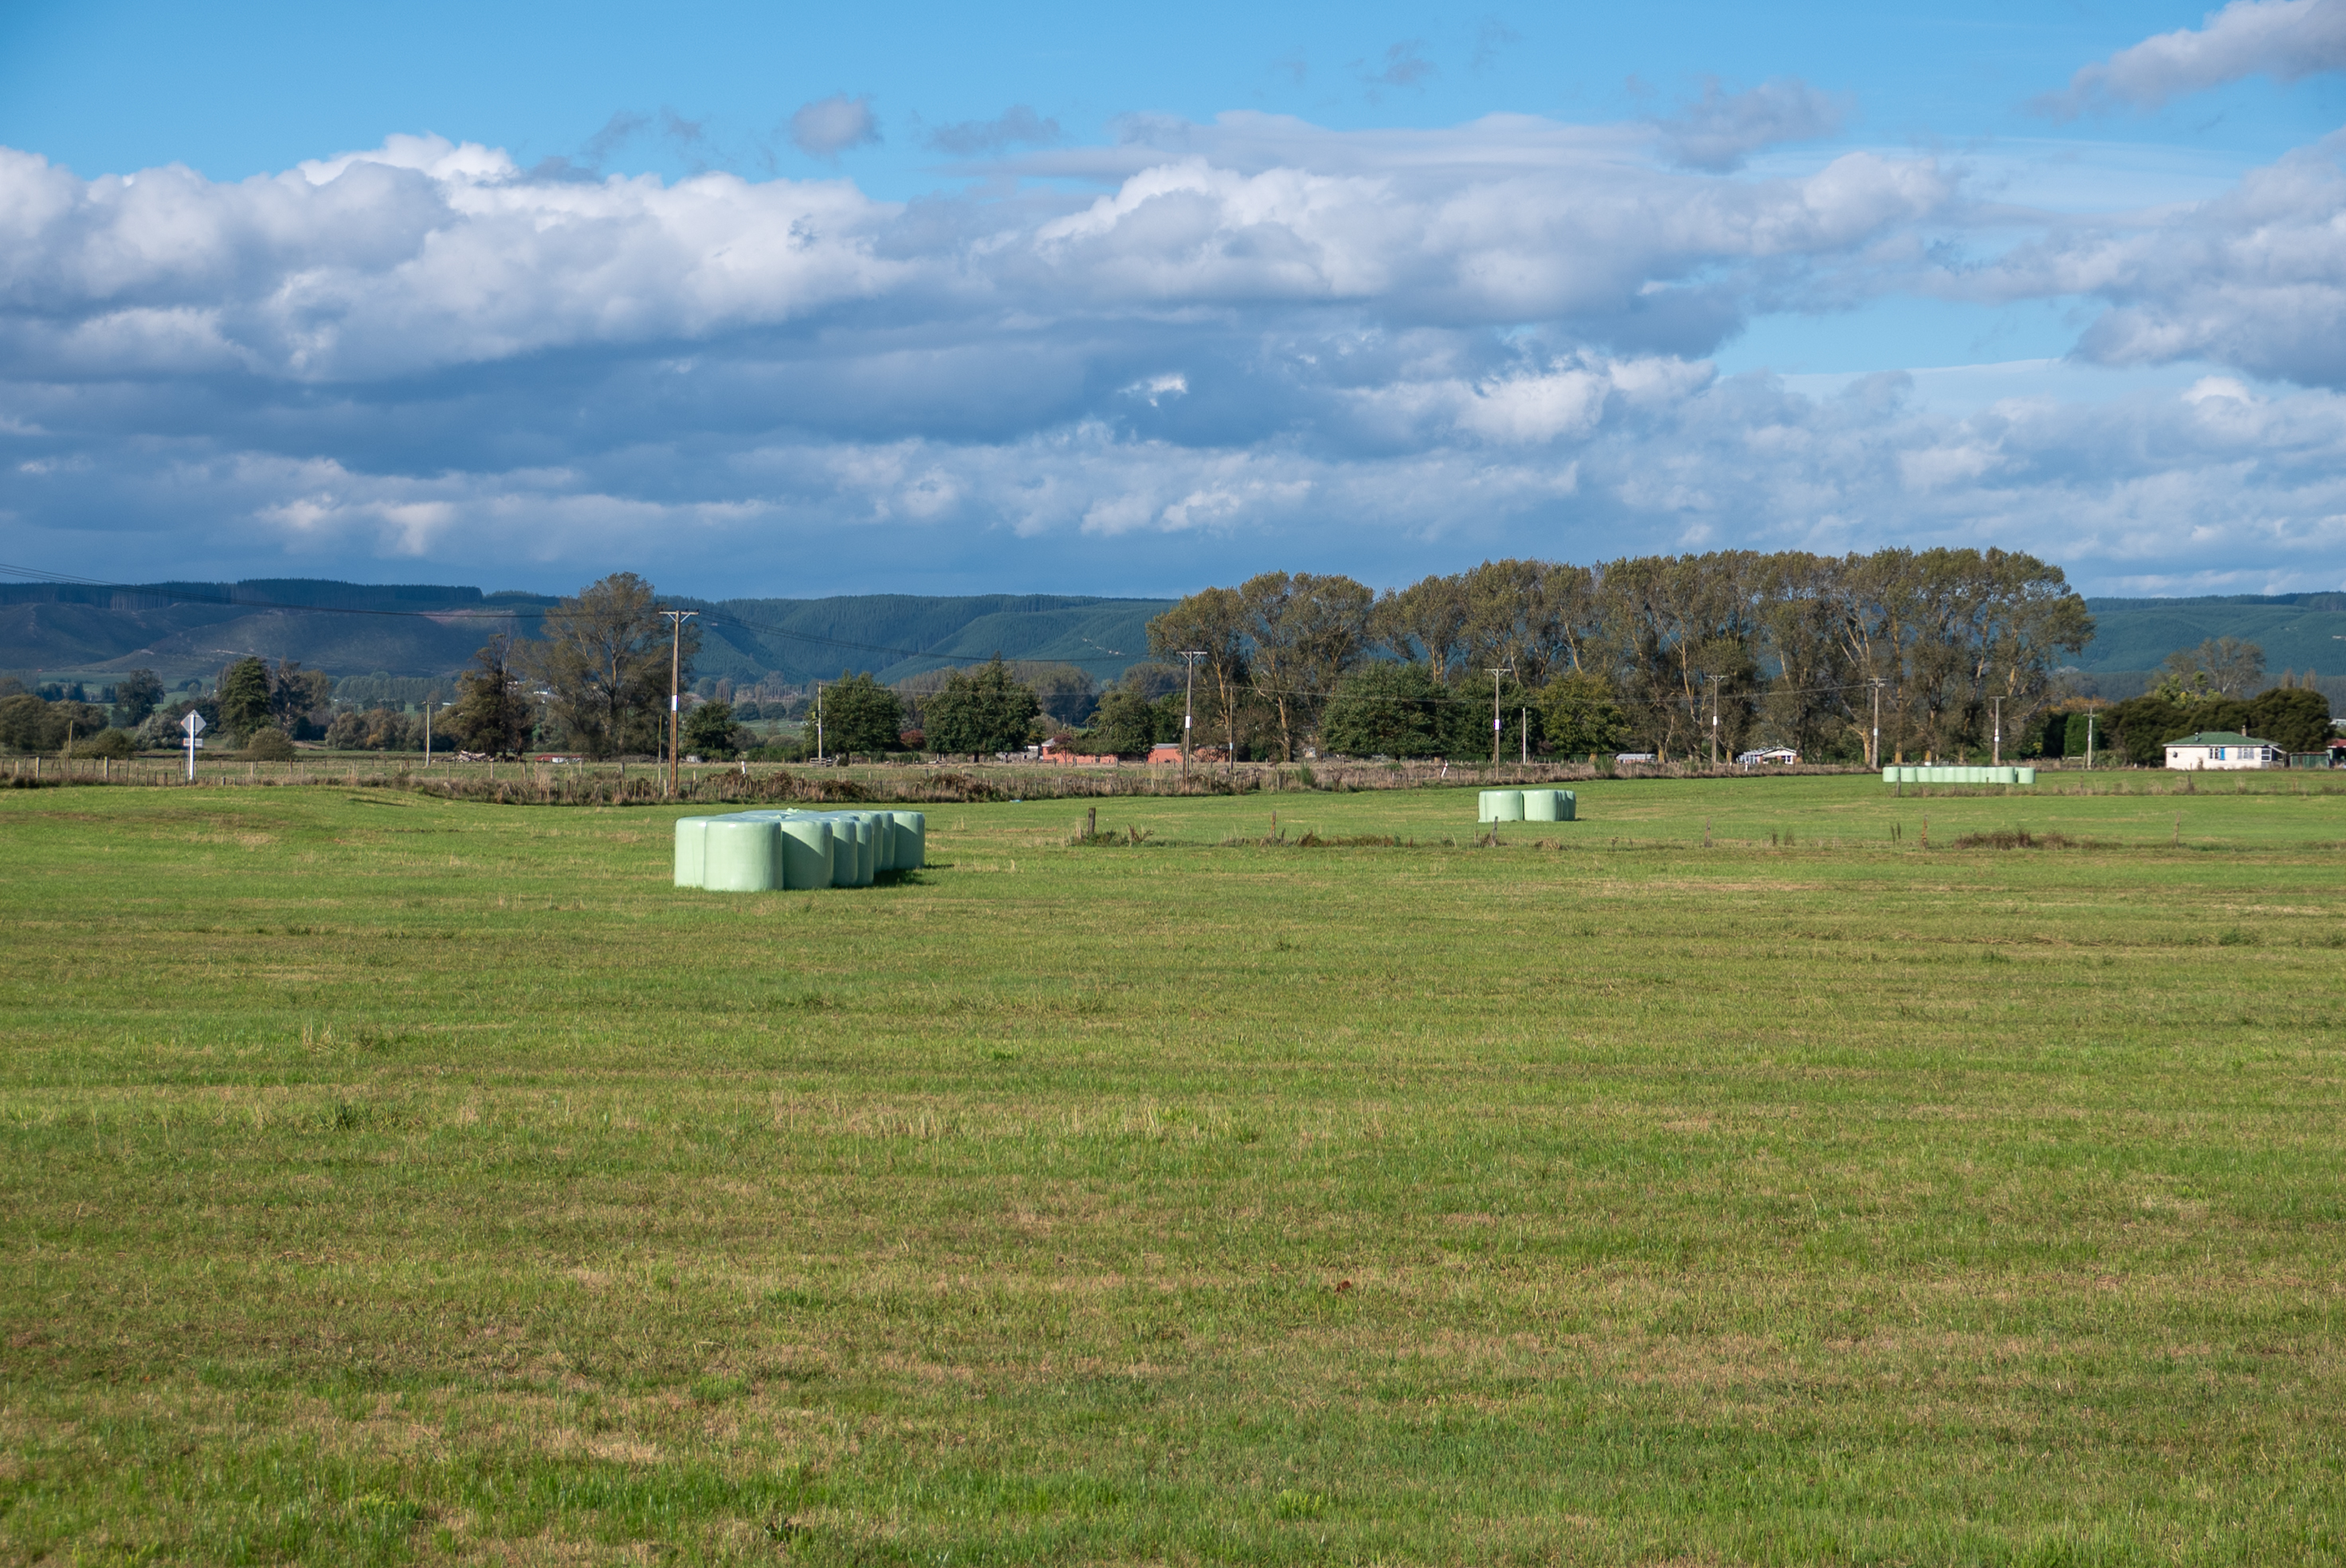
[(2283, 39), (2255, 279), (1250, 343)]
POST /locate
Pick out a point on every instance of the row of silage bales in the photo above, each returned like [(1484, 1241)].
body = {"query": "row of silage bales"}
[(765, 852), (1909, 773), (1526, 806)]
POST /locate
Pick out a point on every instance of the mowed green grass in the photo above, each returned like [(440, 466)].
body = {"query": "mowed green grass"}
[(387, 1180)]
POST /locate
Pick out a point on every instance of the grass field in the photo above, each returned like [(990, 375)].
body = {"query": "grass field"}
[(383, 1180)]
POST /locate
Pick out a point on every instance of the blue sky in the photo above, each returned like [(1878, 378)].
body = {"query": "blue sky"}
[(788, 300)]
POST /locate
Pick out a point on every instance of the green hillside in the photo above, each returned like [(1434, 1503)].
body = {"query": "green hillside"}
[(2297, 631), (182, 630), (898, 635), (189, 630)]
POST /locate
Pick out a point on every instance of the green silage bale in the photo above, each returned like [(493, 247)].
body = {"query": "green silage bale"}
[(867, 845), (912, 840), (842, 849), (691, 850), (739, 857), (807, 846)]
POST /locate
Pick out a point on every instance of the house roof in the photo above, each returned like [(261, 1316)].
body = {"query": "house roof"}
[(2218, 738)]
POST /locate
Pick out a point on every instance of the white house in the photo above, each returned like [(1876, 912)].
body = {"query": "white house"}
[(1773, 756), (2222, 748)]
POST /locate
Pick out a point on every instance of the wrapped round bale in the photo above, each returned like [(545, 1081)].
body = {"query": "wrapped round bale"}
[(855, 851), (807, 845), (842, 848), (912, 840), (807, 848), (1549, 805), (692, 843), (1500, 806), (740, 856)]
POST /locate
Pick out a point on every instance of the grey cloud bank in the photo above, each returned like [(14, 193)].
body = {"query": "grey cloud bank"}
[(1018, 126), (828, 126), (1260, 344), (1719, 130)]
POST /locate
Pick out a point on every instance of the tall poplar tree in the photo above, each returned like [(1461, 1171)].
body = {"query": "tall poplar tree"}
[(605, 659)]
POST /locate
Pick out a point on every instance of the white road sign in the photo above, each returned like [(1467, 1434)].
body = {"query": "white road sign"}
[(193, 724)]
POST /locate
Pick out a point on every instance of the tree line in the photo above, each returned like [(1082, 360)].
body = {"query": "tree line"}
[(2209, 688), (1684, 657)]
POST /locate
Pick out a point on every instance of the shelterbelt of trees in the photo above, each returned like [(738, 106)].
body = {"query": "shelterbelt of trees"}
[(2201, 689), (1684, 655), (1938, 653)]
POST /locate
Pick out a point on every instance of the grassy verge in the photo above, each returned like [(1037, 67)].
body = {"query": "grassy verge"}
[(388, 1179)]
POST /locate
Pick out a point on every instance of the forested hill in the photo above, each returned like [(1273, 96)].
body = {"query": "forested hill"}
[(183, 630), (898, 635), (191, 629), (2297, 631)]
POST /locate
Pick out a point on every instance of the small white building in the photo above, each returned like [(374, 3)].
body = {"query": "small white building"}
[(2222, 748), (1773, 756)]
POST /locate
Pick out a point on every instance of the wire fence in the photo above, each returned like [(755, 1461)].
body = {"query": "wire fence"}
[(646, 781)]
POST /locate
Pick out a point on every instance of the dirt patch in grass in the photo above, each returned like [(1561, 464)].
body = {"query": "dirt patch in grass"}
[(2018, 838)]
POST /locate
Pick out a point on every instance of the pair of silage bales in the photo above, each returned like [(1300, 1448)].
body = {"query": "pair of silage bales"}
[(1907, 773), (1526, 806), (766, 851)]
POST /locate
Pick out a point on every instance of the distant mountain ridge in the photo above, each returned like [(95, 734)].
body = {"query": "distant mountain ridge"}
[(2297, 631), (191, 629), (899, 635)]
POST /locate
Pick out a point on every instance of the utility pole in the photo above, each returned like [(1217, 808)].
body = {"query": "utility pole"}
[(1996, 759), (430, 699), (676, 619), (1877, 721), (817, 723), (1189, 656), (1524, 732), (1497, 724), (1714, 721), (2089, 737)]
